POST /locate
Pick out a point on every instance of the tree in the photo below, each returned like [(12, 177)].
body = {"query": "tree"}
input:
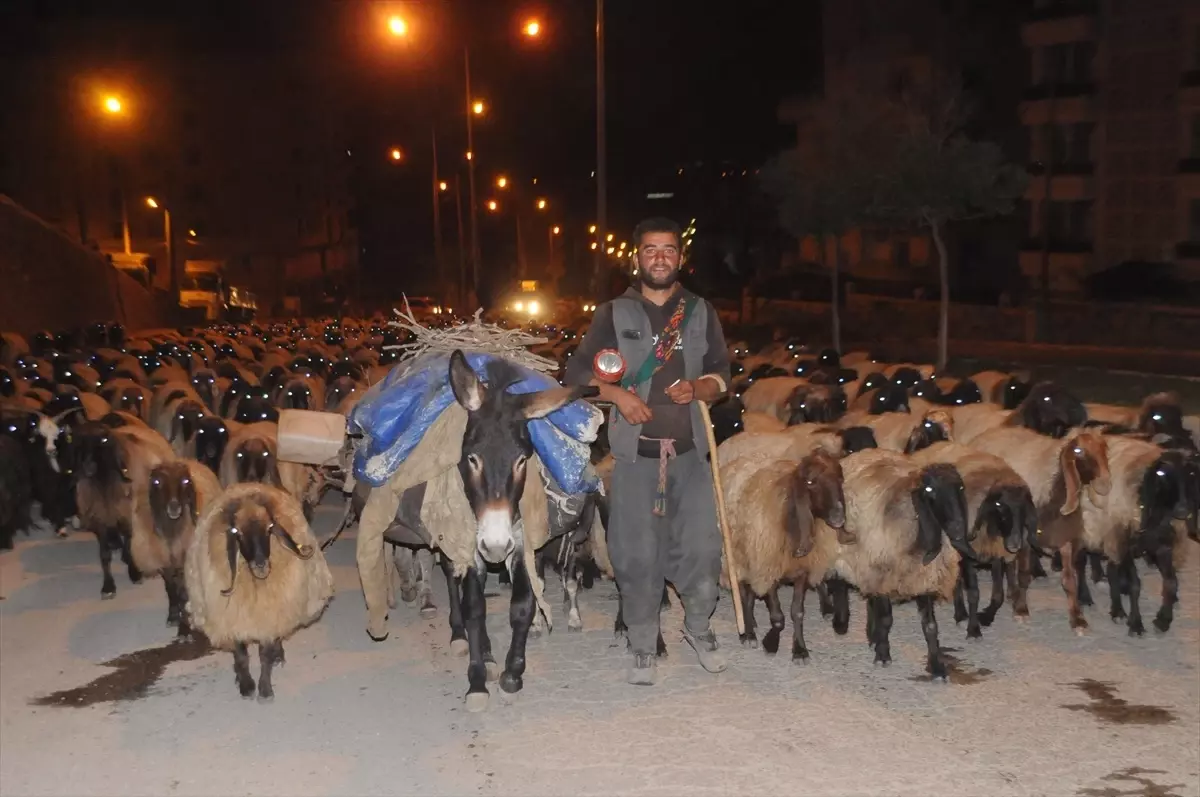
[(934, 175), (826, 185)]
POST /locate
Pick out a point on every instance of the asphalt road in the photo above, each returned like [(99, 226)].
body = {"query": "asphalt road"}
[(1030, 710)]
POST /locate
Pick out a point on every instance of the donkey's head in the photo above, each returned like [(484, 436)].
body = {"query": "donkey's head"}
[(496, 447)]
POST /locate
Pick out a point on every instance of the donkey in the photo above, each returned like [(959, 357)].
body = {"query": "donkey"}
[(496, 448)]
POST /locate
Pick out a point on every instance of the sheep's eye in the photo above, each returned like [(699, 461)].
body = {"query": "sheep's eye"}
[(1077, 450), (234, 530), (811, 482), (187, 481), (1156, 417), (239, 455), (929, 489), (1045, 398), (1159, 473), (156, 482), (266, 453), (222, 429)]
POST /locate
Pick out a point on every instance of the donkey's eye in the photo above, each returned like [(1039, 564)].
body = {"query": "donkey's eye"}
[(520, 463), (474, 461)]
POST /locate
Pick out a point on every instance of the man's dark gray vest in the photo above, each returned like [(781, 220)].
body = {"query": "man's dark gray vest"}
[(629, 316)]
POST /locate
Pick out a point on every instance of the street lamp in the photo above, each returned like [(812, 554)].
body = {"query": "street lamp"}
[(541, 204), (112, 104), (153, 203), (442, 186), (477, 107), (609, 237), (493, 205), (556, 230), (502, 182), (398, 26), (397, 154), (592, 230), (532, 28)]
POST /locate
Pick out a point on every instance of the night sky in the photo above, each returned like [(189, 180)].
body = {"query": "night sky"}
[(683, 86)]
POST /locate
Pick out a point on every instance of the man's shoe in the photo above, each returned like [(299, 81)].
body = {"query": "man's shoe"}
[(643, 671), (712, 658)]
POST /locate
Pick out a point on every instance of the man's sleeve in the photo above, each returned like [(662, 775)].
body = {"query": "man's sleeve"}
[(600, 335), (716, 359)]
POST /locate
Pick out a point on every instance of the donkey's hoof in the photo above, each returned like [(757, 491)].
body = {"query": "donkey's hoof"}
[(429, 611), (493, 670), (459, 647), (476, 702)]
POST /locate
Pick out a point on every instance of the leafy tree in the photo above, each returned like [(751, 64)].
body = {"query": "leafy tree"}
[(933, 175)]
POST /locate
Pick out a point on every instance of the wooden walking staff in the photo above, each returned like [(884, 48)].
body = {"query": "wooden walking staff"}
[(609, 366)]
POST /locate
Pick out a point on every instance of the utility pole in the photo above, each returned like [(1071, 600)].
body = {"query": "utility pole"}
[(437, 218), (601, 156), (471, 181)]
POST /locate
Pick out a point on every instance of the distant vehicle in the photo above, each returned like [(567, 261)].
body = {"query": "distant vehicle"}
[(422, 307), (204, 286), (527, 302)]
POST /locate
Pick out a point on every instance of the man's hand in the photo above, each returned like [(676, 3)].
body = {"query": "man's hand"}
[(682, 392), (631, 407)]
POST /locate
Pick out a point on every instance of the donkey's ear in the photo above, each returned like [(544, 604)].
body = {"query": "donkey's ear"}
[(544, 402), (466, 385)]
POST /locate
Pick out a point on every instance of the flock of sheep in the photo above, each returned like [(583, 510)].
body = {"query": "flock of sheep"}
[(846, 472), (839, 473), (165, 446)]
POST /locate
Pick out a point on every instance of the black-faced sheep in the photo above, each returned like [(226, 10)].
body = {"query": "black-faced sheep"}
[(1149, 495), (1062, 475), (900, 513), (110, 462), (278, 591), (904, 432), (165, 509), (1002, 515), (16, 491)]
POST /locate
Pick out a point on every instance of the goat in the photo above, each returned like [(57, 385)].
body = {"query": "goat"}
[(279, 595), (165, 509)]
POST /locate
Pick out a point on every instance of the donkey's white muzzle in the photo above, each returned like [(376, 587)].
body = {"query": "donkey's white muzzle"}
[(495, 536)]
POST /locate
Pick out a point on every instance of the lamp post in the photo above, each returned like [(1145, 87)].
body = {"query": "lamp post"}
[(173, 284), (601, 146)]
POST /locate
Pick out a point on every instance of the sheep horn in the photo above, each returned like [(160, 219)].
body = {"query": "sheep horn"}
[(231, 548), (303, 551)]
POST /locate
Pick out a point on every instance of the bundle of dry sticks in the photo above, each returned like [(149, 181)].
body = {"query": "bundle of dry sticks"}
[(472, 336)]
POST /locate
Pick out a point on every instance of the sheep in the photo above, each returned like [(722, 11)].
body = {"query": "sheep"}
[(890, 397), (1059, 472), (897, 431), (165, 508), (251, 455), (110, 461), (126, 395), (899, 513), (1000, 504), (773, 396), (163, 402), (1006, 390), (1149, 492), (208, 443), (816, 404), (787, 521), (276, 595), (907, 372), (1159, 413), (793, 443), (727, 418), (948, 392)]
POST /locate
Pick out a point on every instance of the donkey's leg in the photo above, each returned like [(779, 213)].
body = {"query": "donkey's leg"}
[(424, 562), (520, 617), (475, 614), (458, 629)]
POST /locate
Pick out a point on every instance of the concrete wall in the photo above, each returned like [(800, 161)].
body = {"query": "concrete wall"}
[(48, 281)]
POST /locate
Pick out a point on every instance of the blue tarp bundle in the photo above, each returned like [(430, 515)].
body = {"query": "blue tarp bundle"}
[(394, 415)]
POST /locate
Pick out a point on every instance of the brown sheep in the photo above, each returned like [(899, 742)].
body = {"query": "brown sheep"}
[(166, 506), (772, 395), (1058, 472), (761, 423), (259, 533), (787, 523), (1000, 505), (251, 455)]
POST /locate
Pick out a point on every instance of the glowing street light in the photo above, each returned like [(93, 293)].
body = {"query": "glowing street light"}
[(502, 182), (609, 237), (595, 246), (112, 104), (442, 186), (397, 154), (592, 230), (541, 204), (191, 233), (611, 250), (533, 28), (398, 26), (493, 205), (151, 202), (622, 246), (470, 155), (556, 229), (478, 107)]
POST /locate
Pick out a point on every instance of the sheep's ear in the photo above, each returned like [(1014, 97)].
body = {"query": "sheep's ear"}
[(544, 402), (798, 522), (468, 390), (929, 531), (1071, 480)]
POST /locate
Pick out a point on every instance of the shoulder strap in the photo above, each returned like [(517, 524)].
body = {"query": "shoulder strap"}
[(667, 338)]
